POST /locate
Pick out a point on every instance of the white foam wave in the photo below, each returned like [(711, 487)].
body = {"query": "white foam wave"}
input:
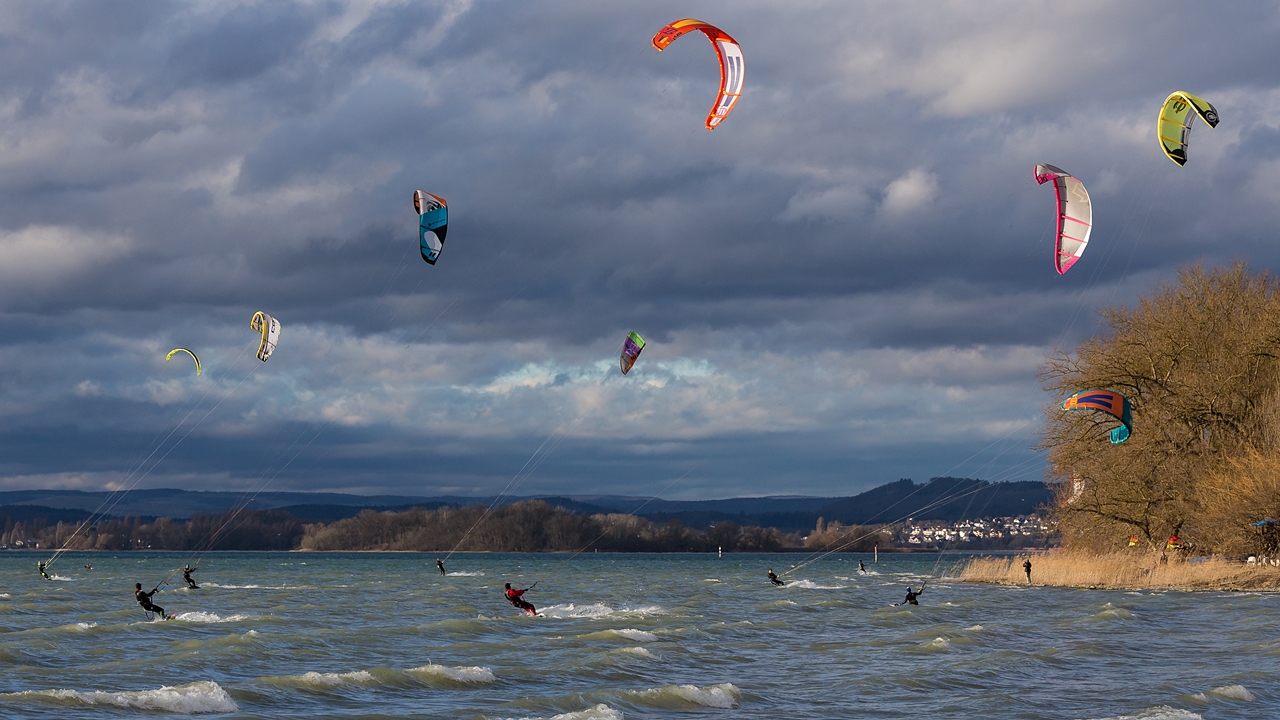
[(250, 587), (59, 578), (811, 585), (599, 712), (4, 595), (724, 695), (473, 674), (1159, 712), (938, 643), (1233, 692), (83, 625), (323, 681), (715, 580), (637, 635), (208, 617), (973, 628), (198, 697), (594, 610), (642, 652), (1110, 611), (466, 574)]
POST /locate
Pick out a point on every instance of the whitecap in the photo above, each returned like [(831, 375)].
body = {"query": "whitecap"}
[(1159, 712), (4, 595), (636, 635), (594, 610), (811, 585), (599, 712), (472, 674), (466, 574), (938, 643), (973, 628), (1233, 692), (208, 617), (715, 580), (198, 697), (322, 681), (83, 625), (59, 578), (724, 695), (642, 652)]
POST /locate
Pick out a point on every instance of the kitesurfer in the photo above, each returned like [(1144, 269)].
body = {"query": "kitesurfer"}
[(773, 578), (862, 568), (144, 599), (440, 564), (41, 566), (186, 575), (911, 596), (513, 596), (1026, 567), (88, 567)]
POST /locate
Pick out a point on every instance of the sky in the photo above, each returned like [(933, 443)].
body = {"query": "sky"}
[(848, 282)]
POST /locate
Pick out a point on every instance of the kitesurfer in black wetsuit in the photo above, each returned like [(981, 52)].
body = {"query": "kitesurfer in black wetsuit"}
[(144, 599), (41, 566), (440, 564), (773, 578), (911, 596), (513, 596), (862, 568), (186, 575)]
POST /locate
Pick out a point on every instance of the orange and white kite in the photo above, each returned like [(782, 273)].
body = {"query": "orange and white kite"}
[(731, 67)]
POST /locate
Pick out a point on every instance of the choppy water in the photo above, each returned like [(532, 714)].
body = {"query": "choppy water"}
[(639, 636)]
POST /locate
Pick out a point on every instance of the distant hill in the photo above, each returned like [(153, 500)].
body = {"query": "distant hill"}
[(942, 498), (939, 499)]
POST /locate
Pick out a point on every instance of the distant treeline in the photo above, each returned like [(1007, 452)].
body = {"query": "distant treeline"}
[(247, 530), (527, 526)]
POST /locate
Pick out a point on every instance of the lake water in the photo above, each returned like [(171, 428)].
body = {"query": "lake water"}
[(345, 635)]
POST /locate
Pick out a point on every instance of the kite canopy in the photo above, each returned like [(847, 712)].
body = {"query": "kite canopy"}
[(1111, 403), (1075, 215), (631, 348), (270, 330), (433, 223), (731, 67), (175, 351), (1174, 128)]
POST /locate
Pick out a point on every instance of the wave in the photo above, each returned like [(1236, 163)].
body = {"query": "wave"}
[(204, 696), (973, 628), (811, 585), (460, 573), (711, 580), (642, 652), (1111, 612), (250, 587), (595, 610), (1228, 692), (208, 617), (938, 643), (599, 712), (321, 681), (1159, 712), (625, 633), (676, 697), (473, 674), (60, 578)]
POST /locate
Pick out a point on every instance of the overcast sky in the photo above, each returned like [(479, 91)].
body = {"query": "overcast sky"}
[(848, 282)]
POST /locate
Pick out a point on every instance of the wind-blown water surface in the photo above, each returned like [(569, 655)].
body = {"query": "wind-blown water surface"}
[(638, 636)]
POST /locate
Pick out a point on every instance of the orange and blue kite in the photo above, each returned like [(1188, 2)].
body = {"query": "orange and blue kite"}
[(1111, 403)]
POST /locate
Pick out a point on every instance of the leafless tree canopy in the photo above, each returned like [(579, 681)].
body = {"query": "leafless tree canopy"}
[(1197, 360)]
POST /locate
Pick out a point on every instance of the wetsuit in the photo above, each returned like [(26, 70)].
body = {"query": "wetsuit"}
[(911, 596), (43, 574), (440, 564), (186, 575), (1026, 565), (144, 599), (514, 596), (773, 578), (862, 568)]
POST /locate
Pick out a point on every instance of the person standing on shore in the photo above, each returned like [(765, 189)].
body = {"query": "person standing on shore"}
[(1026, 567)]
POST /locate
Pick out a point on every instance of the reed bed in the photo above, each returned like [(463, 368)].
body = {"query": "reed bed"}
[(1121, 571)]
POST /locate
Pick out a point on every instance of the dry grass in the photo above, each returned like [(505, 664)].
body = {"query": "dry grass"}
[(1121, 571)]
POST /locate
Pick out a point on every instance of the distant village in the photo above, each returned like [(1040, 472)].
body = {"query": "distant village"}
[(989, 534)]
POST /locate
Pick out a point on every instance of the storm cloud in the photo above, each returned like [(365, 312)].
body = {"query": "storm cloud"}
[(848, 282)]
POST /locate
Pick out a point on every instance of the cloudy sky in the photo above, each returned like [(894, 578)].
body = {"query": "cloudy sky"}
[(848, 282)]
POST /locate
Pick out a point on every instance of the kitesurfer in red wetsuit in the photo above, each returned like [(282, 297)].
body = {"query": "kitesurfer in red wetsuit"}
[(513, 596)]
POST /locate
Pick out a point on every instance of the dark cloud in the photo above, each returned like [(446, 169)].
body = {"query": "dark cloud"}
[(849, 282)]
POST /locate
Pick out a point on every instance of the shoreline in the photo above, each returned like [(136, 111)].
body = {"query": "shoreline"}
[(1128, 571)]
